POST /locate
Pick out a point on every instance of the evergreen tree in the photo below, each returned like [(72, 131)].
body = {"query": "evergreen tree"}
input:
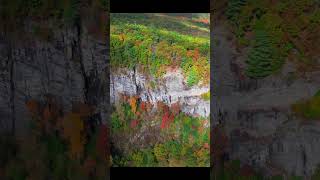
[(261, 56), (234, 8)]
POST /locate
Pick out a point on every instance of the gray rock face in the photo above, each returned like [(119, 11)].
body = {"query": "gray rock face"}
[(170, 89), (70, 67), (257, 116)]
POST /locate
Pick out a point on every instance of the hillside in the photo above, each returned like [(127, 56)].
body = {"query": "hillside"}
[(160, 89)]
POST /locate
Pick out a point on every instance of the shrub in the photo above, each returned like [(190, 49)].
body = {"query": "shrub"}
[(201, 156), (309, 109), (317, 94), (316, 174), (167, 119), (192, 78), (138, 159), (160, 152), (116, 122), (206, 96), (149, 159)]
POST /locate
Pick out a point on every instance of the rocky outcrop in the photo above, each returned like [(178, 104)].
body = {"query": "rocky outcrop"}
[(257, 117), (71, 67), (170, 89)]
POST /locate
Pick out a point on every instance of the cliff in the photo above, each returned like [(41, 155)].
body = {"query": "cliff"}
[(257, 116), (71, 66), (171, 89)]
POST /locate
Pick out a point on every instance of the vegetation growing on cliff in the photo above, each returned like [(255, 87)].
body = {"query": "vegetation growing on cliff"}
[(308, 109), (291, 30), (206, 96), (155, 42), (58, 146), (169, 137), (43, 17)]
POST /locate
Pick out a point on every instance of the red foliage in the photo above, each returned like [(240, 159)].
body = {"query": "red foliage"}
[(194, 127), (149, 106), (133, 104), (162, 106), (46, 114), (220, 143), (33, 106), (247, 171), (89, 165), (203, 20), (134, 123), (167, 118), (196, 54), (143, 106), (206, 145), (175, 108), (102, 142)]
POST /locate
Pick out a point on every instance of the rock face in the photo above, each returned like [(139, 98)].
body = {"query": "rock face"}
[(257, 116), (71, 67), (170, 89)]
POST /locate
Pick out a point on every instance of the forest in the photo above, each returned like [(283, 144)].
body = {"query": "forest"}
[(154, 49)]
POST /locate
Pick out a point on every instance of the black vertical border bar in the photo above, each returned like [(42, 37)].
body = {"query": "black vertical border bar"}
[(211, 83), (214, 99), (108, 109), (212, 87)]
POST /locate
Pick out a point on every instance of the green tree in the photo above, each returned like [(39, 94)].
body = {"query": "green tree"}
[(261, 56), (234, 8), (193, 77)]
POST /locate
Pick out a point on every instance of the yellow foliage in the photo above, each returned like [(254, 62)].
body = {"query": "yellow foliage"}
[(202, 156), (133, 104), (176, 163), (72, 131), (160, 152), (122, 37), (33, 106)]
